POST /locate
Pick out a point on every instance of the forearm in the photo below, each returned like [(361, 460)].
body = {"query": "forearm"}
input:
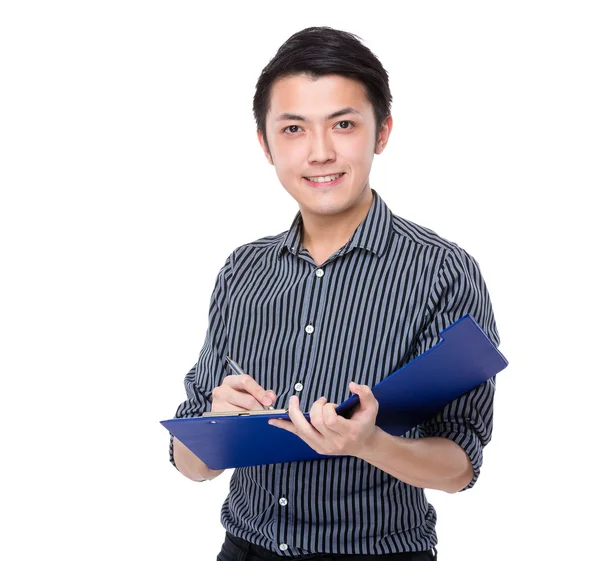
[(430, 463), (190, 465)]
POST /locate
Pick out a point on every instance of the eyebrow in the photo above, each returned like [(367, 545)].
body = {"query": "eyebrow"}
[(294, 117)]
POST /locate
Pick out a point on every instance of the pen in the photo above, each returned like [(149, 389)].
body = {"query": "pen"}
[(238, 370)]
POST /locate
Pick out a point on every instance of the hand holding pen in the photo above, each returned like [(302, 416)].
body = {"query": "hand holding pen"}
[(240, 392)]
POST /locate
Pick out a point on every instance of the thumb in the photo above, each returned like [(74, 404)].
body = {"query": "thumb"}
[(367, 400), (366, 396), (363, 392)]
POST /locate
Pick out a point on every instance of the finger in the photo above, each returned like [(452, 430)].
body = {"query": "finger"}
[(226, 398), (316, 412), (297, 417), (364, 393), (245, 383), (272, 395), (283, 424), (368, 404), (333, 422), (293, 413)]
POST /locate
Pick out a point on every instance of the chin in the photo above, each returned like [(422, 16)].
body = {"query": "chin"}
[(325, 209)]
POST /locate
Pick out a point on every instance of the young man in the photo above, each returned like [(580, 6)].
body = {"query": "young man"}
[(347, 295)]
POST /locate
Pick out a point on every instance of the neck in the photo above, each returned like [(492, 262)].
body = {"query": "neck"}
[(333, 231)]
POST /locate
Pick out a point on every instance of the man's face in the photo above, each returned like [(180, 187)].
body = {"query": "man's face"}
[(319, 129)]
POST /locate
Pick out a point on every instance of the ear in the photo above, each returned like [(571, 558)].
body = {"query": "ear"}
[(384, 134), (263, 144)]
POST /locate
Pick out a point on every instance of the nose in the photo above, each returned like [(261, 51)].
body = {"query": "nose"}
[(321, 149)]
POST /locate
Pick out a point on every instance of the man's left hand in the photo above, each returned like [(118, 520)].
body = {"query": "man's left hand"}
[(329, 433)]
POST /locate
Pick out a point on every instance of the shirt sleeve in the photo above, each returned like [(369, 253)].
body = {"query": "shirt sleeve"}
[(210, 368), (468, 420)]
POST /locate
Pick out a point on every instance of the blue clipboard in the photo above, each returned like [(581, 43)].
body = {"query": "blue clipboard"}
[(463, 359)]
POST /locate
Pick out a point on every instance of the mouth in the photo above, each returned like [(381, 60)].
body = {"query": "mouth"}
[(324, 180)]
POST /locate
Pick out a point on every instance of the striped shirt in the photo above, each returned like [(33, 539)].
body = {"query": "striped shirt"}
[(307, 330)]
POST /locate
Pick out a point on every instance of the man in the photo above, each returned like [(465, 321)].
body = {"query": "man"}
[(347, 295)]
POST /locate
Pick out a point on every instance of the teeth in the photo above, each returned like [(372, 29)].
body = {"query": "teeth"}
[(325, 178)]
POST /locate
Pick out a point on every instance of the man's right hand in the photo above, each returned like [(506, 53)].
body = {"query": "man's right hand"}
[(240, 392)]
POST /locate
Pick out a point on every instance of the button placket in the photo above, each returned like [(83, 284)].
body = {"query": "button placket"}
[(311, 316), (287, 514)]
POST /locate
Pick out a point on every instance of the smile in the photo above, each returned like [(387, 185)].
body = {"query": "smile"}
[(324, 179)]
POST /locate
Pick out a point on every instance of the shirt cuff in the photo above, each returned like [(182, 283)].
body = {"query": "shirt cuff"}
[(171, 457), (465, 438)]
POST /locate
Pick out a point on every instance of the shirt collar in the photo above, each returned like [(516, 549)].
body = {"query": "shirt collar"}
[(293, 238), (372, 233)]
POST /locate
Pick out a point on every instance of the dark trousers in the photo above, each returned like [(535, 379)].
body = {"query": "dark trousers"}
[(236, 549)]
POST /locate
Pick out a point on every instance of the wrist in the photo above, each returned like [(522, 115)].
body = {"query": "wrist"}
[(373, 444)]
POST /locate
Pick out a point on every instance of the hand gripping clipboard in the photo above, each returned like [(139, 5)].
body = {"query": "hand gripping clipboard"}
[(463, 359)]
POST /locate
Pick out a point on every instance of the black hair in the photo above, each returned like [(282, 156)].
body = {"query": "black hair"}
[(319, 51)]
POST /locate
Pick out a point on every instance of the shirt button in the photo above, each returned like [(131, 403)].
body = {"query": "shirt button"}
[(309, 329), (298, 387), (319, 273), (283, 501), (283, 546)]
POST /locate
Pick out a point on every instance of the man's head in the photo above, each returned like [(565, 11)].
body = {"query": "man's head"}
[(322, 106), (319, 51)]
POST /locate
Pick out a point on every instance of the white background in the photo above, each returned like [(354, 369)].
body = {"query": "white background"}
[(129, 169)]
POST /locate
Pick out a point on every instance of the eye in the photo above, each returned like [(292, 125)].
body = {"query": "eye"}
[(346, 125), (293, 129)]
